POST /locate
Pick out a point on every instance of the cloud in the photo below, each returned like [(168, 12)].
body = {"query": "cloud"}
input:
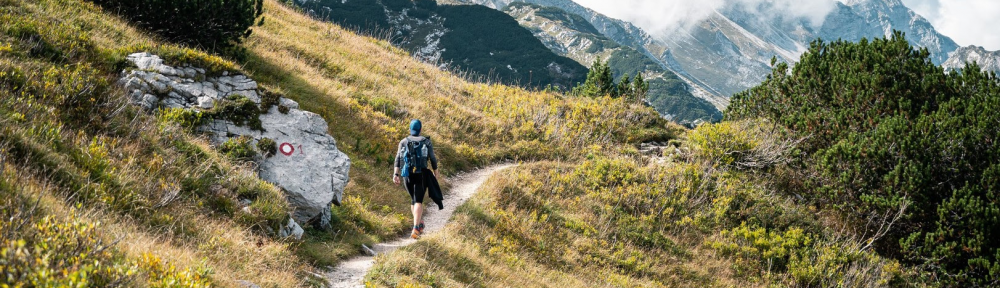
[(661, 17), (968, 22)]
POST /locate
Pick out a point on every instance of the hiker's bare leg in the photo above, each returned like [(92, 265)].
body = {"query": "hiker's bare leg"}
[(418, 214), (413, 210)]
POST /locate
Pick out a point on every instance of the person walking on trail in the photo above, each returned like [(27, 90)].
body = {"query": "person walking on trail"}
[(411, 168)]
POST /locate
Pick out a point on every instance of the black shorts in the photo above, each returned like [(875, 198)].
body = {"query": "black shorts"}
[(415, 186)]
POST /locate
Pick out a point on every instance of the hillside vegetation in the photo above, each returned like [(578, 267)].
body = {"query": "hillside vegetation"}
[(105, 194), (478, 40), (865, 166), (905, 151)]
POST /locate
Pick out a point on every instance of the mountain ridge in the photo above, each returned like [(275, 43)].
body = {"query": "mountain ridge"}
[(730, 50), (468, 38), (987, 60)]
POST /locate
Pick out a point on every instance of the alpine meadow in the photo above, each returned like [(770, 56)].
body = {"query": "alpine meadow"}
[(863, 164)]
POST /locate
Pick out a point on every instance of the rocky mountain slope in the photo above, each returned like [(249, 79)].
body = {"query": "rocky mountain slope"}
[(573, 36), (730, 50), (988, 60), (462, 38)]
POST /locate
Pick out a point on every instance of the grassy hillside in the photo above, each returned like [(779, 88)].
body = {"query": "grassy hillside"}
[(104, 194), (113, 195), (368, 91), (706, 214), (865, 165)]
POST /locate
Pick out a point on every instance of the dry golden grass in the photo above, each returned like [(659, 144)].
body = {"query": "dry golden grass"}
[(115, 171), (698, 220), (368, 90)]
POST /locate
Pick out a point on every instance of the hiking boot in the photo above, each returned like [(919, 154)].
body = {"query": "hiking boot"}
[(420, 228), (415, 234)]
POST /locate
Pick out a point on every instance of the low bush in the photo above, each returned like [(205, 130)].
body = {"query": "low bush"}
[(237, 109), (239, 148), (211, 24), (743, 144), (267, 147)]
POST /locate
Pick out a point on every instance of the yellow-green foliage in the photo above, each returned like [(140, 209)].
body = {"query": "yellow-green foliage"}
[(166, 191), (368, 92), (67, 135), (746, 144), (239, 148), (797, 258), (46, 251), (723, 141), (616, 221)]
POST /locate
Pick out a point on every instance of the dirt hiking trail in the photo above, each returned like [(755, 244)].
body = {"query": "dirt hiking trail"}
[(351, 273)]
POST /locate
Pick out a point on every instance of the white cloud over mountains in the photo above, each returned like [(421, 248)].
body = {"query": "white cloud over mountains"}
[(968, 22), (658, 17)]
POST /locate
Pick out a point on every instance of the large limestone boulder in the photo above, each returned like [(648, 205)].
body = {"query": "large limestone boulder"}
[(308, 166)]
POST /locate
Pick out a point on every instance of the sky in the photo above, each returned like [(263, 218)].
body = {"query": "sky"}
[(968, 22)]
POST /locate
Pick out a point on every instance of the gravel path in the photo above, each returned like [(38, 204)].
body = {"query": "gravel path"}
[(352, 272)]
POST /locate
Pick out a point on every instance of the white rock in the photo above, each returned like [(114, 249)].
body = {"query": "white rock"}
[(308, 164), (189, 90), (205, 102), (288, 103), (144, 60), (308, 167), (291, 229), (172, 103), (176, 97), (207, 90), (246, 284)]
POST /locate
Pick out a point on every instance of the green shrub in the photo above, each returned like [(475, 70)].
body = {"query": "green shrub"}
[(890, 130), (239, 148), (267, 147), (742, 144), (213, 24), (186, 118), (238, 109), (269, 99)]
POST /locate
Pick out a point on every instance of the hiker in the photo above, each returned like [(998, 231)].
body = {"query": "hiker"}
[(411, 168)]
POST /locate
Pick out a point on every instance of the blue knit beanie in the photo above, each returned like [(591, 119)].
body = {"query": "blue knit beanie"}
[(415, 127)]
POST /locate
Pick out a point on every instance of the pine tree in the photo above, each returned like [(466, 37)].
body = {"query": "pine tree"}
[(885, 129), (624, 88), (639, 88), (599, 81), (211, 24)]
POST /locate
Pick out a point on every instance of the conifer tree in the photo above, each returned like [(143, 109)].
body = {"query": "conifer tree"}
[(639, 88), (211, 24), (599, 81), (624, 88), (889, 131)]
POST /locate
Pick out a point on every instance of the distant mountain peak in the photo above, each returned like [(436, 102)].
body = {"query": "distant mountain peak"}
[(987, 60), (887, 3)]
